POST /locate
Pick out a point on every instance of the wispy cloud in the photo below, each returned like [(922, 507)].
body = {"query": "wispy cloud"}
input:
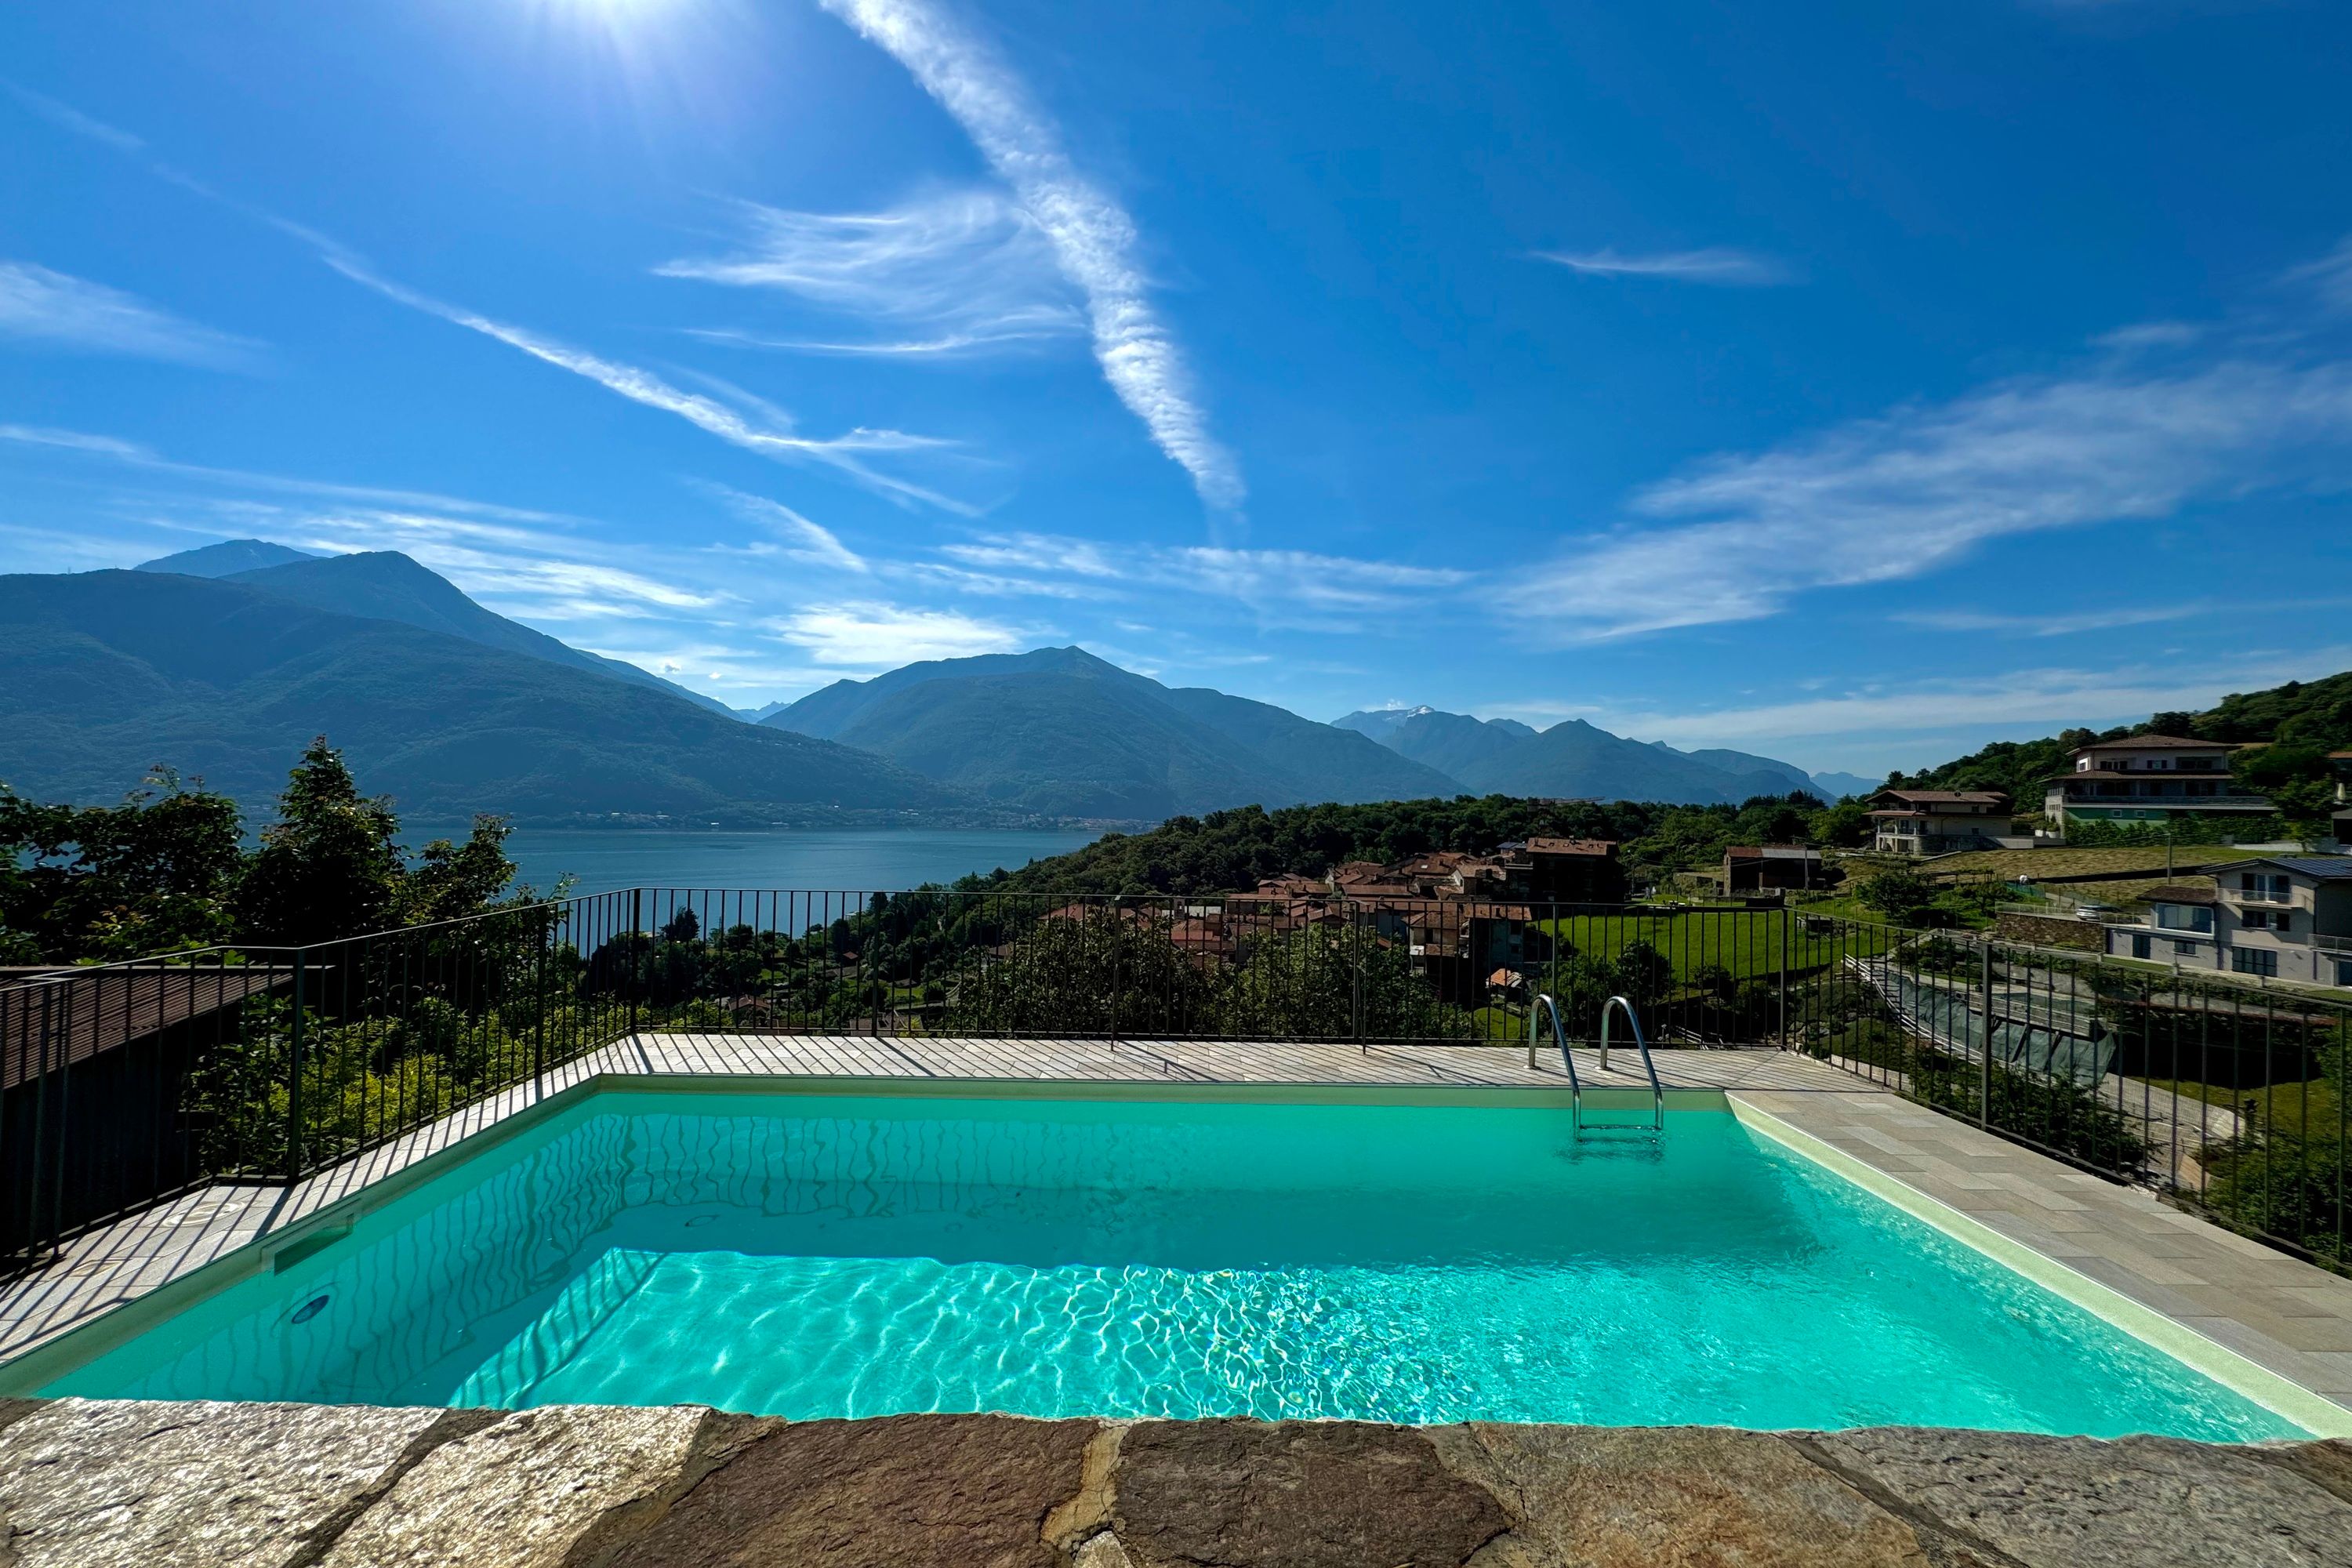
[(767, 434), (2070, 624), (872, 634), (133, 454), (1894, 497), (66, 117), (803, 540), (1093, 239), (970, 266), (2330, 276), (1267, 578), (1264, 580), (1034, 552), (2054, 626), (1720, 267), (2053, 697), (56, 309)]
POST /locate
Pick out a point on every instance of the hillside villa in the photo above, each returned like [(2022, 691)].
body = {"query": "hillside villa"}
[(2151, 779), (1936, 821), (2275, 918)]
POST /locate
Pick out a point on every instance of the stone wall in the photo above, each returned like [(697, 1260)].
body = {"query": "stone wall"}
[(114, 1484), (2049, 931)]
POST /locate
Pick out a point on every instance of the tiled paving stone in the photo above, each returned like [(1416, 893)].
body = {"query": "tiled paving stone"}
[(908, 1491), (119, 1484)]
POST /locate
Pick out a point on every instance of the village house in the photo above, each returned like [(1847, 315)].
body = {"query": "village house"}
[(2155, 779), (2277, 918), (1768, 867), (1563, 871), (2341, 762), (1936, 821)]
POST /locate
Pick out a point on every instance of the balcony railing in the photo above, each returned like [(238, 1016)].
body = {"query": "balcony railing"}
[(124, 1085)]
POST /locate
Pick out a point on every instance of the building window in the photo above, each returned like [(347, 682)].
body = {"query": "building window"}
[(2266, 920), (2344, 972), (2184, 950), (2254, 960), (2263, 886), (2143, 946), (2183, 917)]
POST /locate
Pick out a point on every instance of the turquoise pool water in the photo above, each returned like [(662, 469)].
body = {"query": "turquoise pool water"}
[(860, 1257)]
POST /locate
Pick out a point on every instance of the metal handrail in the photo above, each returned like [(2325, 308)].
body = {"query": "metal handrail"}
[(1543, 1002), (1657, 1090)]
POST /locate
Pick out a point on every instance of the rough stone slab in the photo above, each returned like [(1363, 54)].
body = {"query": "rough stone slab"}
[(129, 1484), (901, 1492), (2063, 1502), (2327, 1463), (1601, 1497), (541, 1489), (1294, 1494)]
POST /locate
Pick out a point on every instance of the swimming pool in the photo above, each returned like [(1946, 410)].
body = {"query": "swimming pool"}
[(810, 1256)]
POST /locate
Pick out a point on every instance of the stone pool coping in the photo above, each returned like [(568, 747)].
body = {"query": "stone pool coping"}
[(113, 1484)]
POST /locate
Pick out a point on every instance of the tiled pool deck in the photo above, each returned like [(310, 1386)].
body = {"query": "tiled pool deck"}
[(2174, 1274)]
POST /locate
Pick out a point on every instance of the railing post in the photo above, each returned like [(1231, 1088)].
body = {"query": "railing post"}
[(1788, 936), (1984, 1064), (294, 1081), (636, 930), (1117, 997), (1355, 971), (538, 1027)]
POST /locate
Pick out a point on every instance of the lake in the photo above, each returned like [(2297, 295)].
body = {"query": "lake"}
[(852, 860)]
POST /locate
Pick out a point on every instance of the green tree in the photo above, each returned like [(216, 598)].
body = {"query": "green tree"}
[(329, 866), (153, 874), (1902, 895)]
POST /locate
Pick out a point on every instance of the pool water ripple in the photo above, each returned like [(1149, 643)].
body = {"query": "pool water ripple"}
[(862, 1256)]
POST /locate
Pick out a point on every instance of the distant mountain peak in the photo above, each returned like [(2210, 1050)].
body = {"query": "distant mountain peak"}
[(227, 559)]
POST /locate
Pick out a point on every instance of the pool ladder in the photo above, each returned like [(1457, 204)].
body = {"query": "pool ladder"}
[(1544, 1004)]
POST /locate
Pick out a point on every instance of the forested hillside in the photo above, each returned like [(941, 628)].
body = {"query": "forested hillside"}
[(1237, 849), (2294, 725)]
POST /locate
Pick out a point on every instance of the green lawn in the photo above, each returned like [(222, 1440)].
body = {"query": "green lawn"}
[(2290, 1107), (1746, 942)]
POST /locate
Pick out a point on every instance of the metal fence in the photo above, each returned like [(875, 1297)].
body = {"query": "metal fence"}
[(126, 1084)]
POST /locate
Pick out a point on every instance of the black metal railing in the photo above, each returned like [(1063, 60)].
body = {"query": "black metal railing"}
[(126, 1084)]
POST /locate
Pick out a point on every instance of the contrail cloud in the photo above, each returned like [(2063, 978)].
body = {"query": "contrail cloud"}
[(1093, 237)]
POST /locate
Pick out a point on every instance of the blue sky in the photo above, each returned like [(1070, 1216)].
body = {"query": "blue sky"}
[(1856, 382)]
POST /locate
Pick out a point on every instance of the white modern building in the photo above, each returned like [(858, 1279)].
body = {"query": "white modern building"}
[(2151, 779), (2285, 917)]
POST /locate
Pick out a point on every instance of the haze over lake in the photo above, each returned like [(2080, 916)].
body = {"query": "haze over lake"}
[(857, 860)]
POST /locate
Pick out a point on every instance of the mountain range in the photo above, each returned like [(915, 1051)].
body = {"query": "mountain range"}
[(105, 674), (225, 660), (1058, 732), (1574, 760)]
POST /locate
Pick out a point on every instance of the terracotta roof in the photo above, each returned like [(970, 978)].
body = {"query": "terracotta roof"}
[(1946, 796), (1570, 847), (2156, 743), (2179, 893)]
